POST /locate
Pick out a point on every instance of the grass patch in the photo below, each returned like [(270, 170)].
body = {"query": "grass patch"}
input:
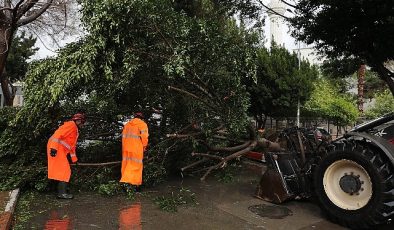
[(110, 189), (170, 202)]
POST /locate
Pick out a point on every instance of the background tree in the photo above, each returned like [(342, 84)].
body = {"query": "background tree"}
[(36, 16), (22, 49), (343, 73), (362, 29), (281, 80), (384, 104), (328, 102), (373, 84), (340, 70)]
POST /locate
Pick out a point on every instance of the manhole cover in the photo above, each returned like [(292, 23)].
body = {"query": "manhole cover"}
[(272, 212)]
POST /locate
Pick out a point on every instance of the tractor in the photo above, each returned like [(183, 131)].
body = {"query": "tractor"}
[(351, 178)]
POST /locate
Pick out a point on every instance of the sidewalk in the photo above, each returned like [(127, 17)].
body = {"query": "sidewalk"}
[(7, 206)]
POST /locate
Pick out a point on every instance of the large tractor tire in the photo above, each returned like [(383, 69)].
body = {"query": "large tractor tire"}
[(354, 185)]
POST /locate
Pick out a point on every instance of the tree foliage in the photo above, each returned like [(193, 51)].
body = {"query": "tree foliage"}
[(384, 103), (327, 102), (138, 55), (281, 80), (22, 49), (362, 29), (373, 84)]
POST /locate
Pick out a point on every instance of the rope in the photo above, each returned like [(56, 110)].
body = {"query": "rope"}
[(97, 164)]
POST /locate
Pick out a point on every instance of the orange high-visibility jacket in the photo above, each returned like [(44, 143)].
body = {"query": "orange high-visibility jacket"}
[(134, 141), (130, 218), (64, 140)]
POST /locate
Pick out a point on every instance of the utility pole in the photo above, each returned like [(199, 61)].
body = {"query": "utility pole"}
[(299, 68)]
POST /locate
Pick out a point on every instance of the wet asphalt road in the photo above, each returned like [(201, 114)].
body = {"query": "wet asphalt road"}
[(220, 206)]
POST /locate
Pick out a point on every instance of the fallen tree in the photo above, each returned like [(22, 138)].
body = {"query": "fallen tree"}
[(183, 71), (114, 71)]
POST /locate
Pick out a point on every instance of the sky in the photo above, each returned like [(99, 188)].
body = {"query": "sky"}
[(289, 42), (47, 49)]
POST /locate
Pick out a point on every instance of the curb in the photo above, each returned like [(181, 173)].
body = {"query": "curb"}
[(6, 216)]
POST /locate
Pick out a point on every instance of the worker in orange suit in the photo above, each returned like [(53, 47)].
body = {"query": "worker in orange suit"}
[(61, 150), (134, 143), (130, 218)]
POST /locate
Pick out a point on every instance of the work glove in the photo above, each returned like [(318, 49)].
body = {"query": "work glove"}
[(53, 152)]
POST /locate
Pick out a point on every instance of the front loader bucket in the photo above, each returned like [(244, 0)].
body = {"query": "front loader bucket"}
[(272, 187)]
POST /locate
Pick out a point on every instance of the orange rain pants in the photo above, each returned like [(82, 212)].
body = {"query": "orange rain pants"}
[(130, 218), (64, 140), (134, 141)]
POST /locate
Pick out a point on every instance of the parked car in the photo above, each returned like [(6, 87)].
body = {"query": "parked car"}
[(322, 135), (318, 134)]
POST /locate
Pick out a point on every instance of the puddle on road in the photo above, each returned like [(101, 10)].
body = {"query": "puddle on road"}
[(130, 217), (270, 211), (58, 224), (92, 211), (56, 221)]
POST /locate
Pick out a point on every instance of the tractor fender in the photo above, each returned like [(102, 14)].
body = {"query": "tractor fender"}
[(383, 144)]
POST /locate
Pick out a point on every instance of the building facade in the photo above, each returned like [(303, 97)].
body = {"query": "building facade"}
[(18, 99)]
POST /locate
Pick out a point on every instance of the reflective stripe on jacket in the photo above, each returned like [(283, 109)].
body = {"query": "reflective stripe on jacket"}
[(67, 146)]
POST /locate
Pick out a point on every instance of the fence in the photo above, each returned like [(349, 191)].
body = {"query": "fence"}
[(282, 123)]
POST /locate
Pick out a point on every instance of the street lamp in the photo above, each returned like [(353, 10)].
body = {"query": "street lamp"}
[(299, 68)]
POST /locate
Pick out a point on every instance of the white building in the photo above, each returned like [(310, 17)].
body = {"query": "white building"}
[(276, 21), (309, 54), (279, 32), (18, 99)]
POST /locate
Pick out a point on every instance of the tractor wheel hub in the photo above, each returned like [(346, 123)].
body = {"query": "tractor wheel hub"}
[(350, 184)]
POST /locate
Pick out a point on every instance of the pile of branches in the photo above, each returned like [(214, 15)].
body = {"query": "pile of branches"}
[(217, 157)]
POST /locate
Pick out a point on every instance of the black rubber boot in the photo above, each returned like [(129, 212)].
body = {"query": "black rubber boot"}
[(62, 191), (138, 188)]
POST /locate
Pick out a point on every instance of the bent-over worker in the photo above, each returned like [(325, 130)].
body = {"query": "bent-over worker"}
[(60, 148)]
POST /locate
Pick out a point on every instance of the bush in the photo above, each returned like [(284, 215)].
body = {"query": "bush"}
[(6, 114)]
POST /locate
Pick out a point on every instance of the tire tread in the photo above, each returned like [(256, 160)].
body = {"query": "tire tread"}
[(384, 206)]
